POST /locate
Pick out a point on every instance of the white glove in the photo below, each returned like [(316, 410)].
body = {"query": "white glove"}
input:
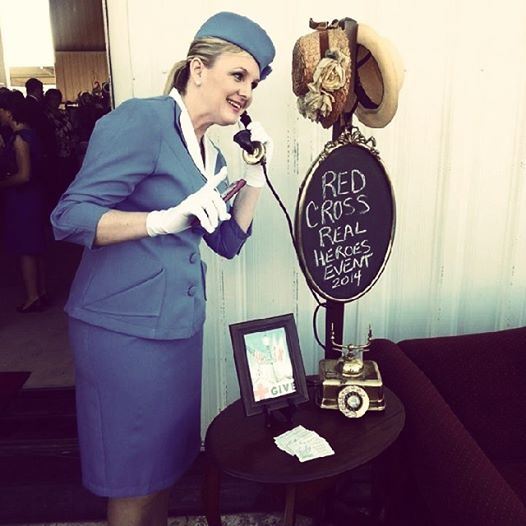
[(254, 172), (206, 204)]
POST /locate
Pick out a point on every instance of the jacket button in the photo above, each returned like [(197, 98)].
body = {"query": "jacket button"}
[(192, 290), (193, 257)]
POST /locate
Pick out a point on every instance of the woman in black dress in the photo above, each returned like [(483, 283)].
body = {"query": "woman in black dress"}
[(24, 222)]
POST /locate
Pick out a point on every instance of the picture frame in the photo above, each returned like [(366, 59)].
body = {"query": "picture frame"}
[(269, 364)]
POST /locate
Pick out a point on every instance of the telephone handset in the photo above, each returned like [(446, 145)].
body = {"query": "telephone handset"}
[(253, 151)]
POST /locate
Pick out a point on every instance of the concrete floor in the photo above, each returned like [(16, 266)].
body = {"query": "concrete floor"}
[(38, 342)]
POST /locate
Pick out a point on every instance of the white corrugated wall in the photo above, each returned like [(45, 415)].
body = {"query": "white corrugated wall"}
[(455, 152)]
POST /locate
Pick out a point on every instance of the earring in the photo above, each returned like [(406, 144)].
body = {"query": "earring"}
[(197, 83)]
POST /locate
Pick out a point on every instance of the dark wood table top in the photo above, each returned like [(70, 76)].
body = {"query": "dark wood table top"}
[(243, 447)]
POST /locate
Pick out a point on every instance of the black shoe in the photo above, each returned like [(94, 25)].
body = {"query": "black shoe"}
[(34, 306)]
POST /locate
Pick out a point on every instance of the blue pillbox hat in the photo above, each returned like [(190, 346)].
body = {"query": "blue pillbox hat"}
[(242, 32)]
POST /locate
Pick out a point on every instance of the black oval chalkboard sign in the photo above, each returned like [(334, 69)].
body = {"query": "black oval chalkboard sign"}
[(345, 221)]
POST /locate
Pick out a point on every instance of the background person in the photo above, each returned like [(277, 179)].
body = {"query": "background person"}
[(36, 116), (40, 124), (65, 142), (25, 220), (141, 203)]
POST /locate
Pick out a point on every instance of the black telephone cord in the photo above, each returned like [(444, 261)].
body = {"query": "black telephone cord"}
[(291, 232)]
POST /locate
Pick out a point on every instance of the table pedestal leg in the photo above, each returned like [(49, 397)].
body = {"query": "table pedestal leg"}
[(289, 516), (210, 494), (389, 479)]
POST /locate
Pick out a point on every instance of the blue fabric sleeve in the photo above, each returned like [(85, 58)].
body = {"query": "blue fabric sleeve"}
[(123, 150), (228, 239)]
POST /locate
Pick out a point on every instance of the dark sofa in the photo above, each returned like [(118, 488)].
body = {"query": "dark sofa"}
[(462, 453)]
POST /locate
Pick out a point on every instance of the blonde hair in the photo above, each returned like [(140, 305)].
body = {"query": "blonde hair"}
[(207, 49)]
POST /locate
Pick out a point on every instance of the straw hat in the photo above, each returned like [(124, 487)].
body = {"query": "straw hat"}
[(323, 84), (379, 78)]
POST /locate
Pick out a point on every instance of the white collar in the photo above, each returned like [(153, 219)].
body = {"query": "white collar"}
[(207, 169)]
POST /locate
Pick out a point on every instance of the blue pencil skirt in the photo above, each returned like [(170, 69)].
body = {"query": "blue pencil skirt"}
[(138, 409)]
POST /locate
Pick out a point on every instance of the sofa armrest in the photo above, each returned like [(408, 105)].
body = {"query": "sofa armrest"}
[(481, 376), (458, 482)]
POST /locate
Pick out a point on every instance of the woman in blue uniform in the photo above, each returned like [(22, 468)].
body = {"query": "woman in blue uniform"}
[(147, 193)]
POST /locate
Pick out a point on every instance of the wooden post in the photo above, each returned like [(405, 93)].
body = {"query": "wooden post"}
[(334, 310)]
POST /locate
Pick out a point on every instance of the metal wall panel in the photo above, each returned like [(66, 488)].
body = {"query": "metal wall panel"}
[(455, 153)]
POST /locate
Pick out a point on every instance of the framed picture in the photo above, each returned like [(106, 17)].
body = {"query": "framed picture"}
[(269, 364)]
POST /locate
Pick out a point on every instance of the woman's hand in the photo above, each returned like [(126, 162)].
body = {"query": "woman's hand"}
[(206, 205)]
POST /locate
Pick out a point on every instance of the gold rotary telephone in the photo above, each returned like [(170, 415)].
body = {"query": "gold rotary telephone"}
[(350, 384)]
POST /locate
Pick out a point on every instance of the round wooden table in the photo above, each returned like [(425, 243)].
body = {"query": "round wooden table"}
[(243, 447)]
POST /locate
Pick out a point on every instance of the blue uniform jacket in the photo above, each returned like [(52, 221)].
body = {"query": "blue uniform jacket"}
[(153, 287)]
